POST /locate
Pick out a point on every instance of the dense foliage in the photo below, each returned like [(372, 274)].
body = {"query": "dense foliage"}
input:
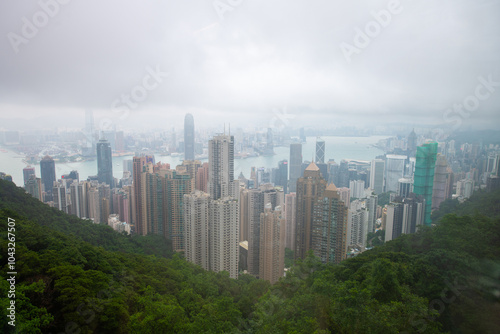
[(76, 277)]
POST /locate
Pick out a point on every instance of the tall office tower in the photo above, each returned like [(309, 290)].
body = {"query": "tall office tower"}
[(371, 203), (177, 185), (357, 188), (404, 215), (244, 214), (405, 187), (272, 244), (290, 221), (221, 167), (94, 203), (377, 176), (48, 171), (224, 235), (27, 172), (320, 152), (88, 149), (329, 230), (59, 197), (412, 143), (33, 186), (295, 165), (79, 198), (343, 174), (345, 196), (424, 175), (105, 163), (439, 188), (310, 188), (188, 137), (202, 177), (196, 232), (394, 170), (282, 175), (357, 224)]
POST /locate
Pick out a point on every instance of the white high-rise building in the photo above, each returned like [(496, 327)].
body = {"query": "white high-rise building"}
[(224, 235), (377, 176), (196, 232), (357, 224), (394, 170), (357, 188), (221, 167)]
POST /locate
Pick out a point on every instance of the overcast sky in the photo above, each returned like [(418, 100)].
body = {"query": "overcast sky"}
[(258, 62)]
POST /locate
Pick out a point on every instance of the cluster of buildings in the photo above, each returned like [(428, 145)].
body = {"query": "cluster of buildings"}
[(224, 223)]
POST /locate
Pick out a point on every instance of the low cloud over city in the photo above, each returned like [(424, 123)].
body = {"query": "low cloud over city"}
[(360, 63)]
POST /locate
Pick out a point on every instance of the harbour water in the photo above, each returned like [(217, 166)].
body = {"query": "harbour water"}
[(336, 148)]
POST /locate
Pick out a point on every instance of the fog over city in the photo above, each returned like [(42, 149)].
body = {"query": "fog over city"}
[(313, 63)]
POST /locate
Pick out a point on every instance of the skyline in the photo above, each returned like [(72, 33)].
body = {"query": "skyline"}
[(239, 64)]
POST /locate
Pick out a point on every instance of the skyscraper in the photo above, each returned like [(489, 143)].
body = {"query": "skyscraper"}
[(196, 230), (290, 221), (188, 137), (272, 244), (424, 175), (377, 176), (295, 165), (404, 215), (394, 170), (329, 229), (282, 178), (224, 234), (439, 188), (79, 198), (357, 224), (221, 167), (48, 171), (27, 172), (177, 185), (310, 188), (139, 192), (33, 186), (320, 152), (104, 163)]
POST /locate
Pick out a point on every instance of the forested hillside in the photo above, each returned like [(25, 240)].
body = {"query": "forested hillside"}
[(76, 277)]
